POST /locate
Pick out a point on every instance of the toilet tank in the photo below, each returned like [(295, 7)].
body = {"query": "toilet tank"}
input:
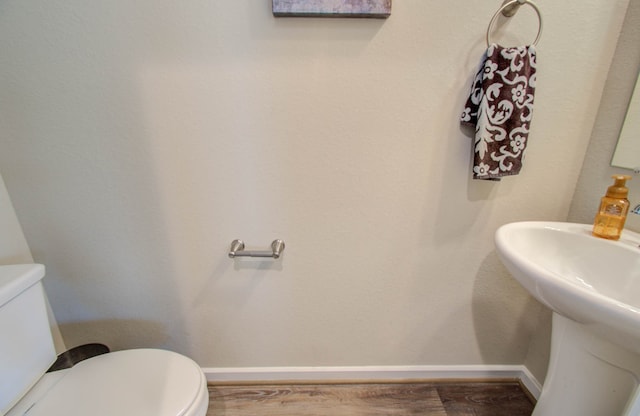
[(26, 345)]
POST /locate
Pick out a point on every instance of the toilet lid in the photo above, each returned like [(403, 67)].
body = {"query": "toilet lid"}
[(133, 382)]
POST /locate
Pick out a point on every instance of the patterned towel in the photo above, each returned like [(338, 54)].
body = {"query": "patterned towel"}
[(500, 107)]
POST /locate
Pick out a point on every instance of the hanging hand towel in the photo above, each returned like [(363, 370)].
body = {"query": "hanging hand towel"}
[(500, 107)]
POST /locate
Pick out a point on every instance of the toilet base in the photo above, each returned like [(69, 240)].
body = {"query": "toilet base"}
[(588, 375)]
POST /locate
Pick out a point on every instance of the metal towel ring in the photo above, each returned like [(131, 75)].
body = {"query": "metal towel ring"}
[(511, 4)]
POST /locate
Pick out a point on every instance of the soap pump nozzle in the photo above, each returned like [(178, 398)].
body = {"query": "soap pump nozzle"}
[(618, 189)]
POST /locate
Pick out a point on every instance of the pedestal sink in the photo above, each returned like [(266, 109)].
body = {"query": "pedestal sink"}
[(592, 286)]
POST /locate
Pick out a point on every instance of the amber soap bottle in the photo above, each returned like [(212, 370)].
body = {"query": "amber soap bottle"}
[(614, 207)]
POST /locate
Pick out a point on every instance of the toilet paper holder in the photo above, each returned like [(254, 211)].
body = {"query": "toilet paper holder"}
[(237, 250)]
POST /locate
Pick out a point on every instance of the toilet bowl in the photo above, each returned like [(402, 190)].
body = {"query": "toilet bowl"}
[(141, 382), (132, 382)]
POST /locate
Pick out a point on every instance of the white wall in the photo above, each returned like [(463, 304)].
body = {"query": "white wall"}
[(140, 138)]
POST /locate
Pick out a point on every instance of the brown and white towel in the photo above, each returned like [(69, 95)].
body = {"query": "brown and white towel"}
[(500, 107)]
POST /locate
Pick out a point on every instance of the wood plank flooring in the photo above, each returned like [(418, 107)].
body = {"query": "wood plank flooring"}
[(424, 398)]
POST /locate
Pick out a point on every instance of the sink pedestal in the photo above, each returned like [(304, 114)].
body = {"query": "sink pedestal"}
[(588, 375)]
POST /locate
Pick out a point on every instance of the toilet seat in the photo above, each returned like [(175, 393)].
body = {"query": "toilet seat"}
[(141, 382)]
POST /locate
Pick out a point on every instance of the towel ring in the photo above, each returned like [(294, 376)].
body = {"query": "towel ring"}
[(509, 4)]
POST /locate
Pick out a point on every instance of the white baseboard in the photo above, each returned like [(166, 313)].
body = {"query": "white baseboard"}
[(373, 373)]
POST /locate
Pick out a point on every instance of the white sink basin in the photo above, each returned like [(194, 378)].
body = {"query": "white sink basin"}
[(593, 287), (584, 278)]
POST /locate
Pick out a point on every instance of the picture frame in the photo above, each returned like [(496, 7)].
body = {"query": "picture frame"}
[(379, 9)]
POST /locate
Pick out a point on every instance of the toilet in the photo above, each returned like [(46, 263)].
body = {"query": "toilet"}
[(140, 382)]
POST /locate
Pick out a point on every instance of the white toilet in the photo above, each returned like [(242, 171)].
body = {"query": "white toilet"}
[(142, 382)]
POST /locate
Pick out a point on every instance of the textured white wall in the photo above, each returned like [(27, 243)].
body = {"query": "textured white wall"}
[(140, 138)]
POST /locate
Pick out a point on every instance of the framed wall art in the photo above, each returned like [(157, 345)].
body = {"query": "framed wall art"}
[(380, 9)]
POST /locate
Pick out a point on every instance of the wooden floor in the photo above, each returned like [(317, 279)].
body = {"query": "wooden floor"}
[(433, 399)]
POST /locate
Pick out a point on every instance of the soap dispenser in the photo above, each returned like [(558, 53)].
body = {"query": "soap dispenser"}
[(614, 207)]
